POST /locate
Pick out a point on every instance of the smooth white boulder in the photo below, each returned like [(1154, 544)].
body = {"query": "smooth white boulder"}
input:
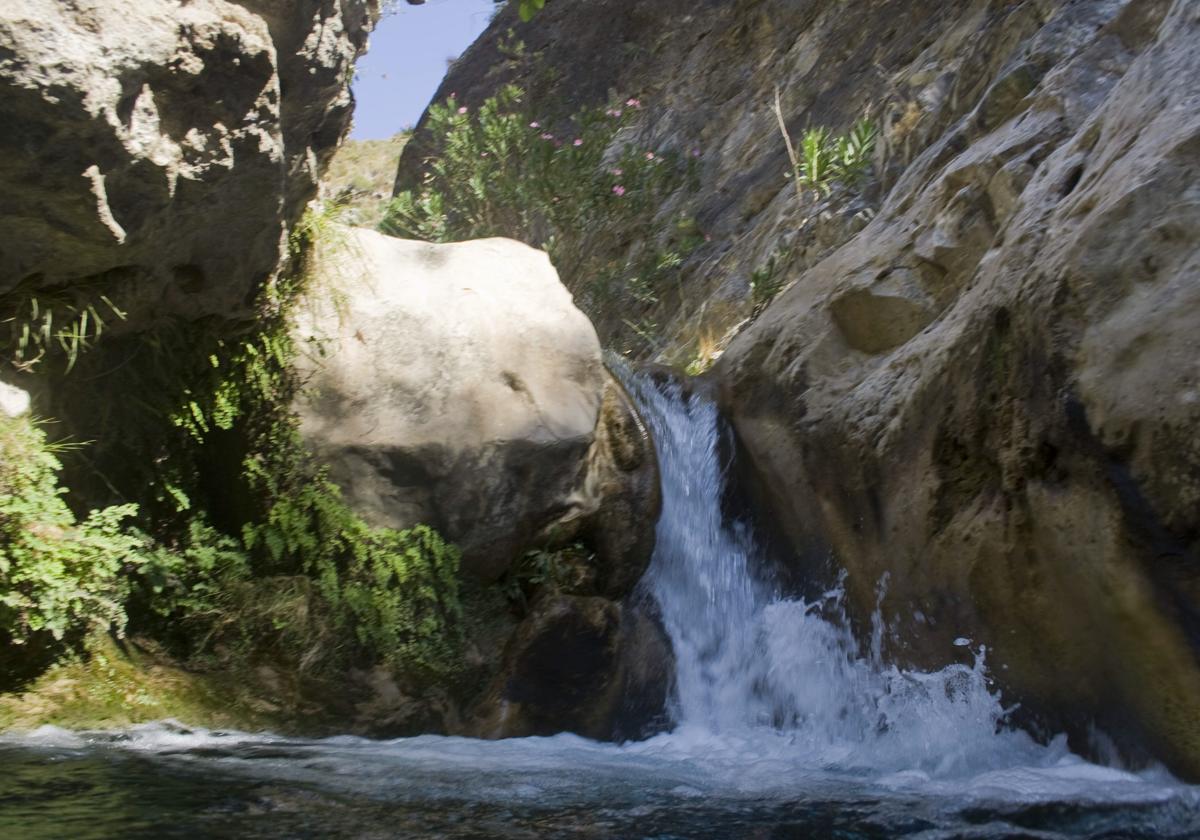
[(453, 385)]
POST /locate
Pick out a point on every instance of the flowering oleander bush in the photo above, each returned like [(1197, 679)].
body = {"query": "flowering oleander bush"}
[(582, 189)]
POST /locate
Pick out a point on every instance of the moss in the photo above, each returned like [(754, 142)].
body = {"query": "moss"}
[(109, 686)]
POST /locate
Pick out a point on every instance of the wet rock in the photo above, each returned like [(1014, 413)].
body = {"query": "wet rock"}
[(579, 664), (619, 499)]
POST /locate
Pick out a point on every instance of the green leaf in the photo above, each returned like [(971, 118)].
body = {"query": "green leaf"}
[(529, 8)]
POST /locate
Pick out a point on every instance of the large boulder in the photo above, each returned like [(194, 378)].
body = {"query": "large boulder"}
[(458, 386), (156, 152), (989, 397)]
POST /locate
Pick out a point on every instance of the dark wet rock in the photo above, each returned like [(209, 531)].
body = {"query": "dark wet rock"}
[(579, 664)]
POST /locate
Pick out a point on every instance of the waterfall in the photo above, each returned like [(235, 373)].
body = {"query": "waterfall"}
[(784, 725), (753, 663)]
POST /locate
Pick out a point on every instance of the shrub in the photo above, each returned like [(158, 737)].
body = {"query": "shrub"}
[(574, 189), (766, 282), (58, 575), (528, 8)]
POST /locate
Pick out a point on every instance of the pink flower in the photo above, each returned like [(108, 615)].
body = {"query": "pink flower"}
[(618, 190), (462, 110), (578, 142), (633, 103), (535, 124), (616, 173), (547, 136), (613, 112), (695, 153), (649, 155)]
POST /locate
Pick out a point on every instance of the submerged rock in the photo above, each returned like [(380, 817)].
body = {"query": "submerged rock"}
[(459, 387)]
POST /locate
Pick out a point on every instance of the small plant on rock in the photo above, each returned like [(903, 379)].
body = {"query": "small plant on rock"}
[(824, 159), (766, 282)]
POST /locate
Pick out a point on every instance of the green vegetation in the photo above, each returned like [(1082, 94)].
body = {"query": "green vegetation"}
[(569, 568), (286, 573), (360, 178), (824, 159), (58, 575), (766, 282), (108, 686), (42, 327), (576, 188), (370, 595), (528, 8)]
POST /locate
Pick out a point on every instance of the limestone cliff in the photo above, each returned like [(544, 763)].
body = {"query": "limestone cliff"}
[(155, 158), (980, 380), (157, 151)]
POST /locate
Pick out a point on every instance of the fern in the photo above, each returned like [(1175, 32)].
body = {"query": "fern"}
[(59, 575), (42, 327)]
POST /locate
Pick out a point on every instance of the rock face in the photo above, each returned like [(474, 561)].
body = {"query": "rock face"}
[(458, 386), (991, 393), (156, 152), (982, 380)]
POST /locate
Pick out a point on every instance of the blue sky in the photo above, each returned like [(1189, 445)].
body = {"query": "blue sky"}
[(407, 60)]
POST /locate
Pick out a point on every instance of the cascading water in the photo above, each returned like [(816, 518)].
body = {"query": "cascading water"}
[(753, 664), (784, 727)]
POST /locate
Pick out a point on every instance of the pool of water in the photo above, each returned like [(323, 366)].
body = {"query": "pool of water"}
[(164, 780)]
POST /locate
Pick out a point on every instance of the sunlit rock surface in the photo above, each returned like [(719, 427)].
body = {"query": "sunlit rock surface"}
[(458, 386), (989, 395), (156, 151)]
